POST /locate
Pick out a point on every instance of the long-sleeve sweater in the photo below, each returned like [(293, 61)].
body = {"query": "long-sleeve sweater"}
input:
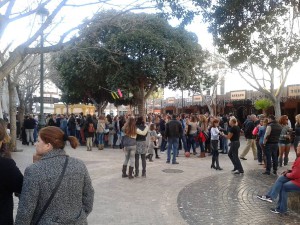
[(294, 175)]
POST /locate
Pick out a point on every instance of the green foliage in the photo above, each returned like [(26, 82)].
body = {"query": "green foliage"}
[(258, 31), (137, 53), (262, 104)]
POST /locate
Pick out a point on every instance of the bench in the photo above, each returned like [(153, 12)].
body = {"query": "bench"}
[(294, 201)]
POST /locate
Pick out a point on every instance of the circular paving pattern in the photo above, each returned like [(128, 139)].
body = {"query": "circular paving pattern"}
[(231, 199), (172, 171)]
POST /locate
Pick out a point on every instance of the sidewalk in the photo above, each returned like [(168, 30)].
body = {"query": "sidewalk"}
[(187, 193)]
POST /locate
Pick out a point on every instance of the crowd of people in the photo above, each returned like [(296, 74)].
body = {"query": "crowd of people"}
[(56, 178)]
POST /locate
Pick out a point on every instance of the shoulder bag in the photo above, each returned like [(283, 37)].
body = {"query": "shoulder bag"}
[(54, 191)]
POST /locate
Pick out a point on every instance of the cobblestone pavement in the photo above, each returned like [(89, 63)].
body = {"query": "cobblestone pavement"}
[(187, 193), (230, 199)]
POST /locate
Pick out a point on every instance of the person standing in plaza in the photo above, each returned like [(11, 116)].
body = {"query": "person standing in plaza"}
[(214, 133), (63, 124), (57, 189), (141, 147), (192, 134), (29, 124), (289, 181), (11, 179), (72, 125), (162, 130), (100, 132), (297, 132), (270, 143), (89, 130), (173, 132), (249, 126), (233, 153), (182, 139), (284, 141), (129, 145), (261, 135)]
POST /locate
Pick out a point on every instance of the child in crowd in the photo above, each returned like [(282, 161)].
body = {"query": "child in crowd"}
[(153, 143)]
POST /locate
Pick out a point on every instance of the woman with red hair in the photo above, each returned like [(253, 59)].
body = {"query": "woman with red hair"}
[(57, 189), (284, 141)]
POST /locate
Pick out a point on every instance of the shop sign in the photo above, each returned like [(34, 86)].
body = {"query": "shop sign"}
[(171, 100), (197, 98), (238, 95), (293, 90)]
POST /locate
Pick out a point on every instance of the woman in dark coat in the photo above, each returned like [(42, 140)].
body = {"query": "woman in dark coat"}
[(11, 180)]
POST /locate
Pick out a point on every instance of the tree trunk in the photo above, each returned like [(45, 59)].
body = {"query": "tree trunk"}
[(277, 108), (140, 98), (21, 111), (12, 114)]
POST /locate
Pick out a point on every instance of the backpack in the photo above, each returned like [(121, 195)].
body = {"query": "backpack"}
[(91, 128)]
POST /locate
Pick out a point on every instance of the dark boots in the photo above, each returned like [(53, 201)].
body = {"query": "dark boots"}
[(217, 164), (136, 173), (213, 163), (285, 161), (144, 173), (130, 172), (150, 157), (280, 161), (156, 154), (124, 171)]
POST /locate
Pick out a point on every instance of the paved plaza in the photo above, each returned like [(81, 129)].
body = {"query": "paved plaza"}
[(187, 193)]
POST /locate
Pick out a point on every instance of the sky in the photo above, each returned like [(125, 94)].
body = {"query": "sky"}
[(74, 16)]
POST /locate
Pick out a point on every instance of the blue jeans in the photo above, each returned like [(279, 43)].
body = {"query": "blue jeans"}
[(259, 152), (191, 143), (163, 144), (183, 138), (100, 138), (271, 155), (281, 187), (35, 134), (224, 145), (172, 144), (202, 144)]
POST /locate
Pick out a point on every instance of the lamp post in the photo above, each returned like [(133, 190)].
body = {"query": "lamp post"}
[(43, 13)]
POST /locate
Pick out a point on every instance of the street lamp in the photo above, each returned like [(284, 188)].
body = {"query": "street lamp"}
[(43, 13)]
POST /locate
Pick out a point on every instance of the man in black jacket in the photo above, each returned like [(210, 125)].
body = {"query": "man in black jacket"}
[(271, 140), (173, 132), (162, 130), (249, 127)]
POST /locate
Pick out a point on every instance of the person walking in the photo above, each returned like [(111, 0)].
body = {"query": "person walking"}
[(234, 137), (270, 143), (11, 179), (251, 143), (173, 132), (289, 181), (57, 189)]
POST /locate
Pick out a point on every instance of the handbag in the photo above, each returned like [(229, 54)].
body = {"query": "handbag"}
[(54, 191)]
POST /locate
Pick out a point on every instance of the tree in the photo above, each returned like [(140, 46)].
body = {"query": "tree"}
[(143, 52), (80, 76), (16, 13), (263, 104), (260, 41)]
